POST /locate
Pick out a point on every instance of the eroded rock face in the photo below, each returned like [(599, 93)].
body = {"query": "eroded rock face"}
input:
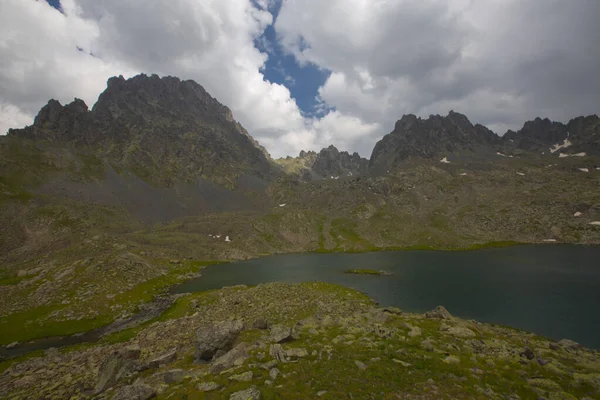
[(214, 337)]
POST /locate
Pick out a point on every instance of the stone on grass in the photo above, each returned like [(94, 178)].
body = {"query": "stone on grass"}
[(321, 393), (274, 373), (211, 338), (280, 334), (296, 352), (439, 312), (208, 386), (277, 353), (134, 392), (361, 365), (461, 331), (570, 344), (251, 393), (451, 360), (243, 377), (269, 365), (403, 363), (260, 324), (415, 331)]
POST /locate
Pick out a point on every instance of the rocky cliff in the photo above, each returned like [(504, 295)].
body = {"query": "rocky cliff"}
[(329, 163), (162, 129)]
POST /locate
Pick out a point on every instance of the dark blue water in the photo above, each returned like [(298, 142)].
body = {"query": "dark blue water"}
[(551, 290)]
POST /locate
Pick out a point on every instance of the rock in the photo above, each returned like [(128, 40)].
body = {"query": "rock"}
[(208, 386), (213, 337), (362, 366), (251, 393), (165, 358), (134, 392), (269, 365), (131, 352), (12, 345), (243, 377), (527, 353), (392, 310), (174, 376), (280, 334), (427, 344), (260, 324), (236, 356), (176, 262), (461, 331), (439, 312), (415, 331), (321, 393), (403, 363), (570, 344), (451, 360), (274, 373), (296, 352), (277, 353), (115, 367), (194, 304)]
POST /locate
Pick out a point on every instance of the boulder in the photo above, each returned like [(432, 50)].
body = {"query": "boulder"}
[(174, 376), (392, 310), (260, 324), (461, 331), (235, 356), (361, 365), (165, 358), (115, 367), (213, 337), (569, 344), (208, 386), (527, 353), (439, 312), (296, 352), (274, 373), (134, 392), (280, 334), (251, 393)]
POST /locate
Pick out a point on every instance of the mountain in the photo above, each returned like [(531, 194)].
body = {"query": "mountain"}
[(453, 137), (163, 129), (329, 163), (542, 136), (431, 138)]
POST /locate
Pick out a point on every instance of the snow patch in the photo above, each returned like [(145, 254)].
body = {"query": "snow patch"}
[(566, 143), (282, 205), (520, 173), (577, 214), (582, 154), (349, 173), (584, 169), (463, 174), (227, 239), (563, 155), (597, 223), (549, 240), (445, 160)]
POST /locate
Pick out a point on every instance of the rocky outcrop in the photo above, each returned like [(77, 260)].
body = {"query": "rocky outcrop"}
[(329, 163), (434, 137), (162, 129), (117, 366), (579, 136)]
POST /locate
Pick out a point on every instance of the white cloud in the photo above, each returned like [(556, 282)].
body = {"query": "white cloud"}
[(501, 62)]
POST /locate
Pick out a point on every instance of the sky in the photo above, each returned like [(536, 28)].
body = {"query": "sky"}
[(304, 74)]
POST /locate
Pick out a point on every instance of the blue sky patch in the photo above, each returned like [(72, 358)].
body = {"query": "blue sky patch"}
[(303, 82), (55, 4)]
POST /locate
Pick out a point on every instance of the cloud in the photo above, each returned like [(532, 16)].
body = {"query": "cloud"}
[(501, 62)]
